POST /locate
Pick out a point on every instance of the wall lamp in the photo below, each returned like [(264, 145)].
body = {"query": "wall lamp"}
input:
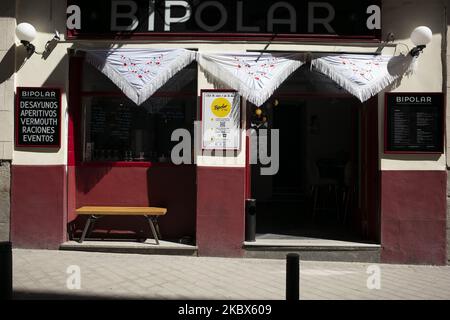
[(26, 33), (420, 37)]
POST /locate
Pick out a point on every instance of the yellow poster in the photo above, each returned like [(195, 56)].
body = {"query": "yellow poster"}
[(221, 120)]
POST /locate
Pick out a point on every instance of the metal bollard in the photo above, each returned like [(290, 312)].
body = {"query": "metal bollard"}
[(6, 284), (293, 277), (250, 220)]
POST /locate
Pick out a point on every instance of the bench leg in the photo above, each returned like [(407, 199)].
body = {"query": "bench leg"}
[(155, 222), (152, 227), (85, 230), (89, 223)]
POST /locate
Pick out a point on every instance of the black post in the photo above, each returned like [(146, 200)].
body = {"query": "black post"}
[(250, 220), (6, 285), (292, 277)]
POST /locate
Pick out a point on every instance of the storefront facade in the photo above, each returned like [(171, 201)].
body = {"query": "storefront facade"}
[(402, 202)]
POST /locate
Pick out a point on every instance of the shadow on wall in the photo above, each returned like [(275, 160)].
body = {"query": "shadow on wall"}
[(168, 186), (174, 187), (428, 13), (87, 178), (16, 57), (8, 9), (400, 65), (45, 15), (7, 65)]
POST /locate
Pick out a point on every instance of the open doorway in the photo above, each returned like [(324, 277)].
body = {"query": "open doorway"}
[(325, 155)]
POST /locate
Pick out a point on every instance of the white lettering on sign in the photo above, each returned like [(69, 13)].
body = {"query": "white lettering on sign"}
[(312, 20), (38, 113), (414, 99), (38, 104), (240, 20), (38, 122), (38, 94), (41, 139), (124, 16), (38, 117), (168, 19), (151, 16), (130, 15), (219, 24), (292, 21)]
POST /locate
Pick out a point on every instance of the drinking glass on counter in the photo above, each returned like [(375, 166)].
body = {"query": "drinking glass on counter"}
[(128, 156)]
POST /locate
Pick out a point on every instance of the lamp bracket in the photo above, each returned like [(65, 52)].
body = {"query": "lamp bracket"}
[(415, 52)]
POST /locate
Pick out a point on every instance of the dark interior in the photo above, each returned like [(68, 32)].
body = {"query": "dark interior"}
[(316, 192)]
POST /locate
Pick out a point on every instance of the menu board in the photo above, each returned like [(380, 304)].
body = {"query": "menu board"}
[(120, 122), (38, 117), (111, 122), (414, 123), (221, 120), (98, 119)]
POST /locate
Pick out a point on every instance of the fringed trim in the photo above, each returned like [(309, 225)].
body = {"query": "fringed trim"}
[(363, 93), (220, 76), (181, 62), (113, 75), (135, 95)]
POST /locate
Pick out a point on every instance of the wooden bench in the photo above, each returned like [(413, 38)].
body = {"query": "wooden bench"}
[(95, 213)]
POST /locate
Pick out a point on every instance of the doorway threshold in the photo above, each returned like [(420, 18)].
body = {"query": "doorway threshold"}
[(132, 247), (273, 246)]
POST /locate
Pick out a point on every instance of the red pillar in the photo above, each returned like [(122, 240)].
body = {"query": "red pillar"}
[(220, 211)]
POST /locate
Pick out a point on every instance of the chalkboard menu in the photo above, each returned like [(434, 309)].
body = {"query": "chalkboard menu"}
[(414, 123), (110, 125), (38, 117)]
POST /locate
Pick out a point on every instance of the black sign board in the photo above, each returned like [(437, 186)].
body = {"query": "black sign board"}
[(199, 19), (414, 123), (38, 117)]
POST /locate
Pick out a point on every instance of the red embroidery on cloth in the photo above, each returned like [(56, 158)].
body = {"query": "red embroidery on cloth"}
[(259, 69), (364, 71), (141, 69)]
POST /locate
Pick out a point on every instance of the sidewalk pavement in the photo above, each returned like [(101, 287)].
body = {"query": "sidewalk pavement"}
[(41, 274)]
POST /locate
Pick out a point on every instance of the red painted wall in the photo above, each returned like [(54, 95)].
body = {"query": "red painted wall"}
[(220, 211), (172, 187), (413, 217), (38, 206)]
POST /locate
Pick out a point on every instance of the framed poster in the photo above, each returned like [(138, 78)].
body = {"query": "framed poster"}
[(221, 120), (38, 117), (414, 123)]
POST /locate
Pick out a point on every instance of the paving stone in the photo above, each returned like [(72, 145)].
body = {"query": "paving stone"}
[(166, 277)]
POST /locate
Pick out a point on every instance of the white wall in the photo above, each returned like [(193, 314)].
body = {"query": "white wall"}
[(401, 17), (7, 77), (46, 16)]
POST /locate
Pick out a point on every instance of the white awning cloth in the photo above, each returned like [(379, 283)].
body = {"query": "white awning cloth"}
[(254, 75), (363, 76), (139, 72)]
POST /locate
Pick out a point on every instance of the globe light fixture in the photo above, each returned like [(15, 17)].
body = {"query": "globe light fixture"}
[(420, 37), (26, 33)]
